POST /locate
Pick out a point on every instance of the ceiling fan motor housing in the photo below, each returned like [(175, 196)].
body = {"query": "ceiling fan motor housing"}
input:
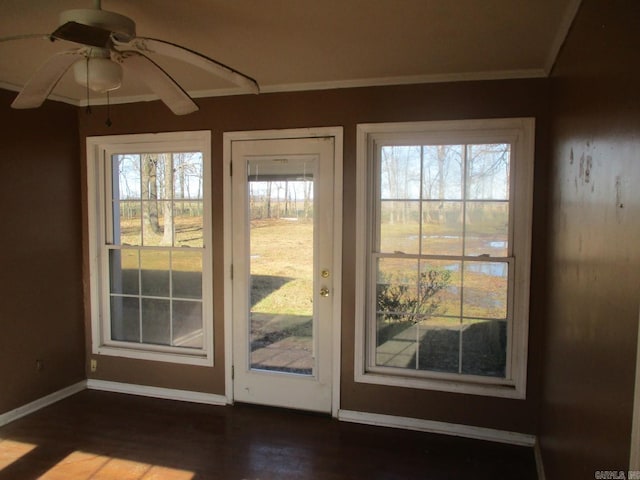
[(122, 28)]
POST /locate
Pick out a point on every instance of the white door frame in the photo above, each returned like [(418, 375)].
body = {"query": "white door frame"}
[(228, 138), (634, 457)]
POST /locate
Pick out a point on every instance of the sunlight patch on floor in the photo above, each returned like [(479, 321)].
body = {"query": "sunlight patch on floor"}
[(84, 466), (11, 450)]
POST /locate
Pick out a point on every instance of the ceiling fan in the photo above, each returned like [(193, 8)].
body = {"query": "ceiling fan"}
[(109, 45)]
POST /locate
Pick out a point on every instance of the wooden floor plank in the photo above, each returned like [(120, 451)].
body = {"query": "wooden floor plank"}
[(101, 435)]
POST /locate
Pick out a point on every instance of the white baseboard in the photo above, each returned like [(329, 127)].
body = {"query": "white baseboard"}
[(157, 392), (40, 403), (430, 426)]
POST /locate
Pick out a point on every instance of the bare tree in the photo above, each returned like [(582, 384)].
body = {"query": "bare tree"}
[(268, 201), (390, 171), (167, 237), (307, 190), (486, 164), (150, 193), (286, 198)]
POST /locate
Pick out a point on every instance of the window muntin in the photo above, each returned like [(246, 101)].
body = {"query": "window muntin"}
[(439, 300), (154, 247)]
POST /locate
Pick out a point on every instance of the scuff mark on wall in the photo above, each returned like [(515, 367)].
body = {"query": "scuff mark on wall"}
[(586, 164), (585, 167), (620, 188)]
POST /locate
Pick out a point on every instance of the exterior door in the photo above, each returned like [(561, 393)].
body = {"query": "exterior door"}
[(282, 254)]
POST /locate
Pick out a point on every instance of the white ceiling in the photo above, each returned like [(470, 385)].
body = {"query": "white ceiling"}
[(310, 44)]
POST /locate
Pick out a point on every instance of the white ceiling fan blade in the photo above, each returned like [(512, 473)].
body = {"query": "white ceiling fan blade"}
[(160, 82), (168, 49), (43, 81)]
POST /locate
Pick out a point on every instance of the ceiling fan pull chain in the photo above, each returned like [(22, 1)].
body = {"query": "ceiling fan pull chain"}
[(88, 109), (108, 121)]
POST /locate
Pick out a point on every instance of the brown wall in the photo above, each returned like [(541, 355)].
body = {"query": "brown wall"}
[(344, 108), (40, 252), (594, 244), (586, 270)]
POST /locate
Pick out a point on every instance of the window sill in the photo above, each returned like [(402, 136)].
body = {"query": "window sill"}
[(198, 358), (467, 386)]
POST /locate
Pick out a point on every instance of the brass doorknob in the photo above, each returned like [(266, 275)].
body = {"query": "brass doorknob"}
[(324, 292)]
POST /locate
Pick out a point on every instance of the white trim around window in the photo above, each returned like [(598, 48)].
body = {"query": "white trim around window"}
[(185, 304), (512, 252)]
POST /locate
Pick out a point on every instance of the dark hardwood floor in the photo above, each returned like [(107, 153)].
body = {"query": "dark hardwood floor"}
[(99, 435)]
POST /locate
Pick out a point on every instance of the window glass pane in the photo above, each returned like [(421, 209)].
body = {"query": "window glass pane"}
[(440, 291), (442, 228), (123, 269), (125, 319), (156, 318), (485, 289), (187, 168), (399, 227), (281, 266), (400, 173), (154, 266), (487, 229), (126, 177), (186, 274), (484, 347), (397, 283), (488, 172), (187, 223), (442, 174), (127, 223), (396, 342), (396, 294), (439, 345), (156, 184), (155, 231), (187, 324)]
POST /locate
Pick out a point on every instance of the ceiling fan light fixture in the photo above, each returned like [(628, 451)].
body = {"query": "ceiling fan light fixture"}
[(101, 75)]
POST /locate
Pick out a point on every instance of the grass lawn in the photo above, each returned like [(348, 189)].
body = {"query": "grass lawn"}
[(282, 267)]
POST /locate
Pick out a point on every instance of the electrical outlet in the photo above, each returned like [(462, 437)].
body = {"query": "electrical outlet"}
[(93, 365)]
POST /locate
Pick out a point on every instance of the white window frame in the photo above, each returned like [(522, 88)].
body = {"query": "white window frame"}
[(519, 132), (98, 149)]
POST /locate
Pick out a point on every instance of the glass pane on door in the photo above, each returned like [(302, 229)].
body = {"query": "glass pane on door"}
[(281, 264)]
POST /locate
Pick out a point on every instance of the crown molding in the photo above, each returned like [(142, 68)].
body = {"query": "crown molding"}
[(310, 86)]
